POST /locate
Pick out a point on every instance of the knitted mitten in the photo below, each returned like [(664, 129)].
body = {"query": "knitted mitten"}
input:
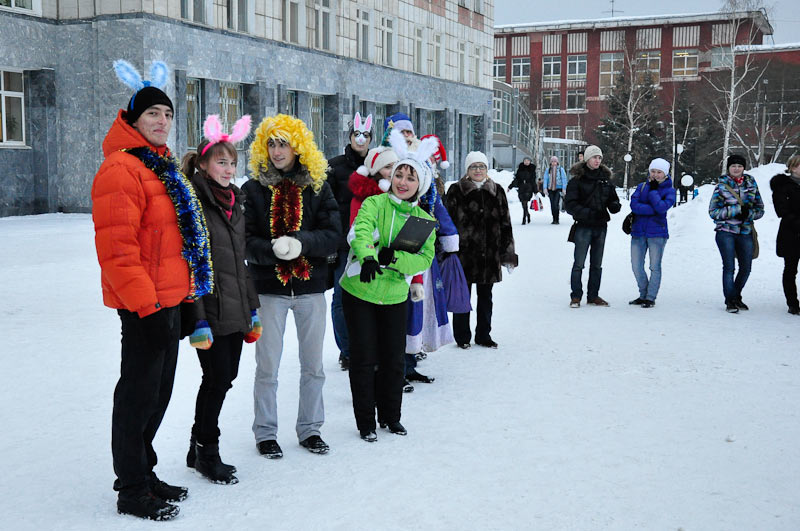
[(202, 337), (255, 329)]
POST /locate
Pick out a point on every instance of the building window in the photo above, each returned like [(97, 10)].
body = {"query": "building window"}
[(362, 35), (184, 9), (721, 57), (322, 24), (551, 68), (473, 134), (291, 103), (290, 16), (551, 132), (194, 113), (576, 99), (462, 62), (317, 104), (501, 106), (199, 11), (521, 69), (476, 66), (230, 104), (12, 110), (419, 45), (684, 63), (386, 40), (551, 100), (573, 132), (648, 63), (436, 56), (610, 68), (576, 68), (17, 4), (242, 14), (379, 116), (500, 69)]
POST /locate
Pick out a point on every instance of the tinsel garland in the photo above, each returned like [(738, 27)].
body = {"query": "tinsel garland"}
[(285, 217), (191, 222)]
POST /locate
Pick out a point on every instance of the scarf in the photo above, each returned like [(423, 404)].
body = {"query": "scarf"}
[(738, 181), (553, 173), (223, 196), (191, 222), (286, 217)]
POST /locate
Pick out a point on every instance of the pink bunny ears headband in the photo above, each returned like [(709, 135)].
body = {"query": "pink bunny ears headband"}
[(212, 129)]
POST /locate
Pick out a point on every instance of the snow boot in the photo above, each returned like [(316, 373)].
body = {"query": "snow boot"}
[(394, 427), (191, 455), (144, 504), (368, 435), (414, 376), (739, 304), (165, 491), (210, 465)]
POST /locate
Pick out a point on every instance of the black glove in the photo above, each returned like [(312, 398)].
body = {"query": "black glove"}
[(385, 256), (157, 329), (369, 269), (744, 214)]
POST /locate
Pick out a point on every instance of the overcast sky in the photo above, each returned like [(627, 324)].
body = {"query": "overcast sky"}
[(785, 20)]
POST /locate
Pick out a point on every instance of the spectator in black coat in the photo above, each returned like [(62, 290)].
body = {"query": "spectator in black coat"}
[(786, 198), (525, 183)]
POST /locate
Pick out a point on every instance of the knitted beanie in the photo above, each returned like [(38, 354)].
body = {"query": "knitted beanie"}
[(143, 100), (659, 164), (592, 151), (476, 156)]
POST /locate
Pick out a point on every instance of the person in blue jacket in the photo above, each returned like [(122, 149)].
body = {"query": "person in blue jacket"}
[(649, 232), (555, 184)]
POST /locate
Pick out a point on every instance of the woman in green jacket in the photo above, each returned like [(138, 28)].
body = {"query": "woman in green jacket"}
[(375, 288)]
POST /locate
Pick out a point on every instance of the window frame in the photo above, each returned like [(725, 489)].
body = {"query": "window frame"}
[(4, 94), (35, 9), (575, 62), (225, 117), (553, 97), (320, 33), (549, 62), (194, 100), (363, 26), (609, 60), (498, 64), (518, 67), (684, 55), (574, 98), (317, 126)]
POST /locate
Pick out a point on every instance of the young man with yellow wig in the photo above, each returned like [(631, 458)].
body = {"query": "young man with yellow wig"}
[(292, 226)]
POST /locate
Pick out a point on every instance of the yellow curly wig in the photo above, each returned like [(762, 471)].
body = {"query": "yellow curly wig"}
[(295, 132)]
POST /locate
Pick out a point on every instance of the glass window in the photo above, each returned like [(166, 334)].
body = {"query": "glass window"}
[(551, 132), (19, 4), (520, 69), (648, 64), (362, 35), (379, 117), (610, 68), (194, 114), (386, 40), (500, 69), (684, 63), (290, 16), (317, 103), (721, 57), (576, 99), (230, 104), (573, 132), (436, 56), (291, 103), (551, 68), (199, 14), (551, 100), (576, 68), (418, 47), (462, 62), (322, 24), (12, 110)]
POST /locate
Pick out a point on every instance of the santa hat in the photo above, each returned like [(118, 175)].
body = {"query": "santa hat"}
[(441, 154), (377, 158)]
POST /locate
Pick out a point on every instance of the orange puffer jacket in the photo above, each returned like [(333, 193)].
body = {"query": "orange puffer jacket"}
[(136, 230)]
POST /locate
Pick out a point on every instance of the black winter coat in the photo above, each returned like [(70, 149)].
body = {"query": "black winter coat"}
[(339, 170), (525, 182), (786, 198), (590, 198), (228, 308), (486, 240), (319, 233)]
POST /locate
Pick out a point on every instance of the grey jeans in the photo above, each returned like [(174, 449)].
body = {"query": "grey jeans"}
[(309, 316)]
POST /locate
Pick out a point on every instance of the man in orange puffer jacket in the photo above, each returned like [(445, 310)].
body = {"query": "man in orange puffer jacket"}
[(144, 277)]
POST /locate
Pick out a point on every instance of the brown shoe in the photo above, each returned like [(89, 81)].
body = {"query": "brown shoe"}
[(574, 303), (597, 301)]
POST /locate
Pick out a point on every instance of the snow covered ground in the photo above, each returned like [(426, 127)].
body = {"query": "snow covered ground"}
[(680, 416)]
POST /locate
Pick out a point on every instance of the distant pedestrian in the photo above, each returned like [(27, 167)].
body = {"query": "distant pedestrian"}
[(786, 198), (555, 183), (525, 183)]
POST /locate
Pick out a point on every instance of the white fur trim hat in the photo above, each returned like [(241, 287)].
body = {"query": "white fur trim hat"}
[(659, 164), (592, 151), (416, 159), (476, 156), (377, 158)]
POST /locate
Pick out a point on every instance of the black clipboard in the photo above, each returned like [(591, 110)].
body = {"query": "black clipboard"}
[(413, 235)]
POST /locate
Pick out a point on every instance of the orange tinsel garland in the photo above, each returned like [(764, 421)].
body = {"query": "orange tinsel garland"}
[(286, 217)]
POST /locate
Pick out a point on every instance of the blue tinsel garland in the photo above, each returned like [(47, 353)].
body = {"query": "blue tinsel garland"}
[(191, 222)]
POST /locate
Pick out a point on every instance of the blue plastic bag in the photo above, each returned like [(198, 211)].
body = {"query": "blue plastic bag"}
[(455, 284)]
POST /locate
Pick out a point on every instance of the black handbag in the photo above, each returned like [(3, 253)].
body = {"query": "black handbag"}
[(571, 237), (627, 223)]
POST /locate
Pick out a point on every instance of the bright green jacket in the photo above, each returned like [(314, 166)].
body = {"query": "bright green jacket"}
[(378, 221)]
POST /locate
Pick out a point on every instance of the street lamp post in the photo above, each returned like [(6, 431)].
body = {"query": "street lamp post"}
[(627, 159), (676, 181)]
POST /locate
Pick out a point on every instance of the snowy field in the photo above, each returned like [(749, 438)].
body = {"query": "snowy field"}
[(677, 417)]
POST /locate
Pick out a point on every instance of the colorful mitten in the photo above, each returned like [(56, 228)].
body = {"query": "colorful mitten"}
[(202, 337), (255, 329)]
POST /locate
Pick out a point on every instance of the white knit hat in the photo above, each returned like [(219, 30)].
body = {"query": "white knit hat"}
[(659, 164), (592, 151), (377, 158), (476, 156), (416, 159)]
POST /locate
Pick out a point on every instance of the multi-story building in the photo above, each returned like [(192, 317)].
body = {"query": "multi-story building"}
[(320, 60), (567, 69)]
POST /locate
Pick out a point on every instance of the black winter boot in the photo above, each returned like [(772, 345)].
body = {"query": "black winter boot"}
[(209, 464), (145, 504), (192, 454)]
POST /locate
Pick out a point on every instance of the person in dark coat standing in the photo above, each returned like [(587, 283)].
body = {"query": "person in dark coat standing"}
[(219, 323), (786, 198), (479, 209), (525, 183), (340, 169), (590, 197), (292, 224)]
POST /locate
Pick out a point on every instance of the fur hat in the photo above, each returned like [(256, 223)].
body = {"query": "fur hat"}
[(735, 159), (148, 91), (416, 159), (377, 158), (659, 164), (476, 156), (441, 155), (592, 151), (295, 132), (400, 121)]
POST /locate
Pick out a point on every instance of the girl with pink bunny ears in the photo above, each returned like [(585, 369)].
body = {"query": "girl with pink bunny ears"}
[(218, 324)]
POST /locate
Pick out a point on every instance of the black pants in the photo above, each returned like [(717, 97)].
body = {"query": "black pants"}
[(220, 365), (483, 328), (377, 338), (790, 280), (526, 216), (141, 397)]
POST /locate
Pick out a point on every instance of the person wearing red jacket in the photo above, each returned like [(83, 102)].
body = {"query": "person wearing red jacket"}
[(150, 260)]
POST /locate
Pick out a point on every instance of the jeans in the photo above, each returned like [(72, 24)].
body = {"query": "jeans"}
[(555, 199), (648, 289), (309, 318), (483, 327), (220, 365), (790, 280), (732, 248), (586, 237), (337, 313)]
